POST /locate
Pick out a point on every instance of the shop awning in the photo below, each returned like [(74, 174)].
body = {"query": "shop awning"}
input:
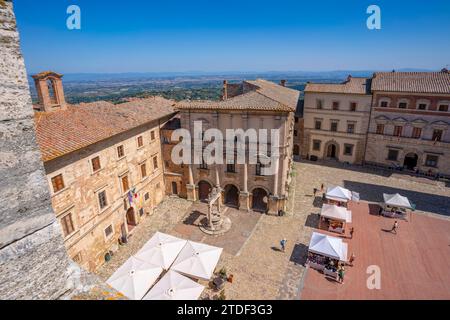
[(197, 260), (162, 249), (336, 213), (339, 194), (134, 278), (397, 200), (328, 246), (174, 286)]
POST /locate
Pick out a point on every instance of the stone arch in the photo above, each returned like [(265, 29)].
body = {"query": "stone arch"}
[(204, 189), (331, 150), (260, 199), (231, 195)]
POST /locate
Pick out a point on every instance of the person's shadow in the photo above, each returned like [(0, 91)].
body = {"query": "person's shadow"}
[(276, 249)]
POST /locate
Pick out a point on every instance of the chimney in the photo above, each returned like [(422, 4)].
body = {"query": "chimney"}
[(50, 91), (225, 90), (283, 83)]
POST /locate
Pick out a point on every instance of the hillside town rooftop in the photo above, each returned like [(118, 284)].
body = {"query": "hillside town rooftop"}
[(352, 85), (412, 82), (259, 95), (65, 131)]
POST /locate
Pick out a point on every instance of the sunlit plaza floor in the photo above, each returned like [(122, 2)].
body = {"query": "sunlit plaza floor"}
[(413, 263)]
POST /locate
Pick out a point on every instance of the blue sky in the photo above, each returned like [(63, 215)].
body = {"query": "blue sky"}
[(233, 35)]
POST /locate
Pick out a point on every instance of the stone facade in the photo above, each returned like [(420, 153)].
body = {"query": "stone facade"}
[(33, 260), (97, 228), (335, 124), (415, 137)]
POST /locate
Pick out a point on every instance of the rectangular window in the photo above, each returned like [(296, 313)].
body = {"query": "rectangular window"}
[(296, 119), (152, 135), (143, 170), (147, 196), (350, 128), (140, 141), (398, 131), (231, 167), (96, 164), (58, 183), (335, 105), (125, 184), (416, 133), (203, 165), (334, 126), (443, 107), (259, 169), (67, 224), (319, 104), (155, 162), (316, 145), (158, 185), (384, 104), (102, 201), (431, 160), (422, 106), (109, 231), (348, 149), (295, 133), (141, 212), (353, 106), (393, 155), (403, 105), (318, 125), (120, 152), (437, 135), (380, 128)]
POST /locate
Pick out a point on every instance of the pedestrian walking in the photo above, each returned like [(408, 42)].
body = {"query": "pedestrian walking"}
[(315, 192), (341, 274), (283, 244), (352, 230), (394, 227), (322, 187)]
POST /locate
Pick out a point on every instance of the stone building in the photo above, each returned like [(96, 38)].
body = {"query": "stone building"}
[(103, 164), (336, 118), (410, 121), (256, 104), (33, 260)]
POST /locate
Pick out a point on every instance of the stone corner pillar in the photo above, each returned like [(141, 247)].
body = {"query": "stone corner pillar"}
[(273, 205), (244, 201)]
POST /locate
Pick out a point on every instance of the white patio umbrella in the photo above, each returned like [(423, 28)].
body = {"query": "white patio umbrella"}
[(328, 246), (338, 194), (162, 249), (336, 213), (397, 200), (197, 260), (134, 278), (174, 286)]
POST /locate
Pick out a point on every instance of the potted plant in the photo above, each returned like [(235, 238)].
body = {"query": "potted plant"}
[(223, 273)]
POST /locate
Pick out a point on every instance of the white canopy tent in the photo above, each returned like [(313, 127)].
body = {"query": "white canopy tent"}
[(328, 246), (134, 278), (197, 260), (339, 194), (336, 213), (162, 250), (174, 286), (397, 201)]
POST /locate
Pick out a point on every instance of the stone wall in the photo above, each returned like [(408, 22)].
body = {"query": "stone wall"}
[(33, 260)]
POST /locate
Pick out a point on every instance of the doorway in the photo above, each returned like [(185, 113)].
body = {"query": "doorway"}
[(174, 188), (131, 219), (232, 196), (410, 161), (259, 200), (332, 151), (204, 189)]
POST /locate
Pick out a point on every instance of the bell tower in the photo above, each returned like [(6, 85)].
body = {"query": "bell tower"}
[(50, 91)]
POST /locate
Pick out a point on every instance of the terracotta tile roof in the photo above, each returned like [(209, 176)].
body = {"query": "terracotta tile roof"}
[(352, 85), (65, 131), (261, 95), (413, 82)]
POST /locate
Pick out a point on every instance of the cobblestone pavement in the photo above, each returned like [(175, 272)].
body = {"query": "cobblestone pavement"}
[(260, 270), (165, 216)]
